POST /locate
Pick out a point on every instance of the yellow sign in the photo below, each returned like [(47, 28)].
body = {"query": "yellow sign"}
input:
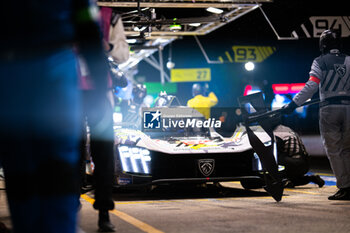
[(252, 53), (190, 75)]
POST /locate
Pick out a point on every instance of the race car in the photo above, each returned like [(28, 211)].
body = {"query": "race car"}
[(189, 157), (177, 144)]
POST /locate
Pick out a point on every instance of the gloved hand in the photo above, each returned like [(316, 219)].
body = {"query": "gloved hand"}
[(289, 108)]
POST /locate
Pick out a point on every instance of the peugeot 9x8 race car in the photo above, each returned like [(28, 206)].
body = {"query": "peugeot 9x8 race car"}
[(177, 144)]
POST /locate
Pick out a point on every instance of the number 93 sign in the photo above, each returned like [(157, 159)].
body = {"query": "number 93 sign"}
[(252, 53)]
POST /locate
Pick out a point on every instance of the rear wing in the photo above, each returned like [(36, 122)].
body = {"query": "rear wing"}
[(253, 106)]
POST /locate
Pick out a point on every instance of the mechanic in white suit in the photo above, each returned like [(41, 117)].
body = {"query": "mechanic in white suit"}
[(330, 73)]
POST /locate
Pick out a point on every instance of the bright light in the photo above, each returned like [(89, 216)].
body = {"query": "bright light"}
[(175, 27), (170, 65), (249, 66), (135, 159), (195, 24), (137, 29), (117, 117), (214, 10), (131, 41), (279, 101), (287, 88), (148, 100)]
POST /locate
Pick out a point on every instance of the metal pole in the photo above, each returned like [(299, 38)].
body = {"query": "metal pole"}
[(161, 66), (294, 37), (204, 53)]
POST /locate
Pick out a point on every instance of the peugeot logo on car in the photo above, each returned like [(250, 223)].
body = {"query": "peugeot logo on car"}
[(206, 166)]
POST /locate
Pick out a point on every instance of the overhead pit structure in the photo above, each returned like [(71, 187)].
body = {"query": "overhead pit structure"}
[(152, 24)]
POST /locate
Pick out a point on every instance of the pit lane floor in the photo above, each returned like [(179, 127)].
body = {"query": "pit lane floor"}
[(229, 208)]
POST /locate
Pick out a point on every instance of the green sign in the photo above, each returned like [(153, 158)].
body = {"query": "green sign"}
[(157, 87)]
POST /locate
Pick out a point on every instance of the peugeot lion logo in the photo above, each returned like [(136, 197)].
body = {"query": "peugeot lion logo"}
[(340, 69), (206, 166)]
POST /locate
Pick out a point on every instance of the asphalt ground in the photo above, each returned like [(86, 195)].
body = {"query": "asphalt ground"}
[(227, 208)]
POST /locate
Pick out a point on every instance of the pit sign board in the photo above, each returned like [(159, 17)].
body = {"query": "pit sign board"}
[(190, 75), (252, 53)]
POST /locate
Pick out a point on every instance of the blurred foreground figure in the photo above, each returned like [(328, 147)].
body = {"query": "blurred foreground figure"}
[(40, 108), (330, 75), (98, 116)]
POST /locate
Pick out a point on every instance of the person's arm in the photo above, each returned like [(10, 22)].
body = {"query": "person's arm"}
[(190, 102), (310, 88), (213, 99)]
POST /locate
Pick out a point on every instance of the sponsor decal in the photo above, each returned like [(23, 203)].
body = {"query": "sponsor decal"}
[(191, 123), (193, 142), (206, 166), (340, 69), (124, 181), (155, 120), (152, 119)]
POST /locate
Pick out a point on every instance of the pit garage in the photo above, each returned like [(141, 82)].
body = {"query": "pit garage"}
[(226, 178)]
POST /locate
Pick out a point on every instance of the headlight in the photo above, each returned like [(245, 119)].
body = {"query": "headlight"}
[(117, 117), (135, 159)]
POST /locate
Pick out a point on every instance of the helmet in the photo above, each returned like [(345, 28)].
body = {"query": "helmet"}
[(139, 92), (162, 99), (200, 89), (329, 39)]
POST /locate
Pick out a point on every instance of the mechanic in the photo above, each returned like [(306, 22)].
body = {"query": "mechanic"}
[(294, 157), (202, 101), (132, 108), (98, 115), (330, 74), (39, 138)]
